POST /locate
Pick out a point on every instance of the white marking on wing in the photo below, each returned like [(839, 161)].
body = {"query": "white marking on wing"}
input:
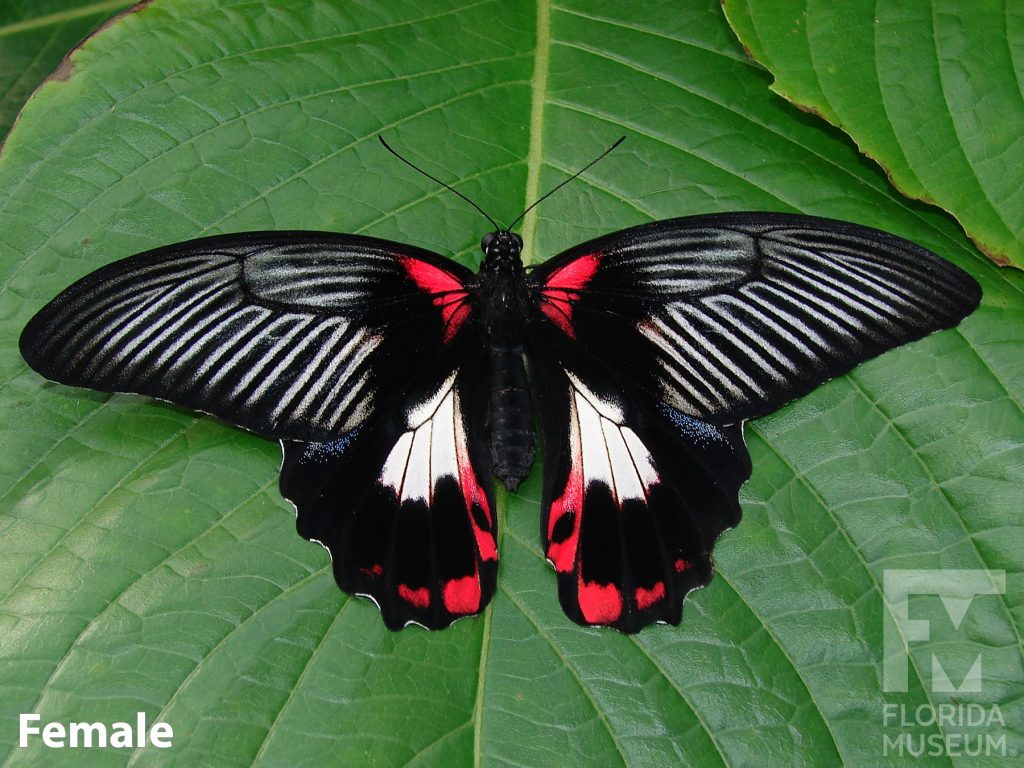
[(183, 347), (316, 371), (137, 331), (270, 354), (729, 332), (135, 352), (393, 472), (705, 349), (429, 450), (596, 463), (443, 460), (360, 411), (417, 483), (748, 338), (213, 362), (300, 348), (658, 332), (611, 452), (641, 458), (425, 410), (626, 481), (606, 408), (344, 382)]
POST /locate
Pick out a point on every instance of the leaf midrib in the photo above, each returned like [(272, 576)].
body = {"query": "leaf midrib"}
[(534, 158)]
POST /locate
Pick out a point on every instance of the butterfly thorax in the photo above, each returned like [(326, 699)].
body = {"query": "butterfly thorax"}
[(502, 292), (503, 299)]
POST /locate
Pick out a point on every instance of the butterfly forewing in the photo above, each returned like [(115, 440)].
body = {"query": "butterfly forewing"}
[(290, 335), (728, 316)]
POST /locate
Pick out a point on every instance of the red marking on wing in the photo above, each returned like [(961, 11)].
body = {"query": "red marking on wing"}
[(599, 603), (374, 570), (563, 553), (574, 275), (474, 494), (559, 315), (682, 565), (462, 595), (420, 598), (645, 598), (446, 290), (485, 543), (562, 289), (457, 318)]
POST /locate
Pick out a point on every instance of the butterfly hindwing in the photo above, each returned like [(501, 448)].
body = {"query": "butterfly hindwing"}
[(406, 506), (635, 495)]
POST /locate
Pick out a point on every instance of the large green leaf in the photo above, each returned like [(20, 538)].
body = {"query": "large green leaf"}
[(34, 36), (931, 90), (149, 564)]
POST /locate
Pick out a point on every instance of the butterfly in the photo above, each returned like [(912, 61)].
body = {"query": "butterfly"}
[(395, 380)]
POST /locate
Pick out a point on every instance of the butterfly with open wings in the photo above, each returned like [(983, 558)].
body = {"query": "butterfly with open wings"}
[(395, 380)]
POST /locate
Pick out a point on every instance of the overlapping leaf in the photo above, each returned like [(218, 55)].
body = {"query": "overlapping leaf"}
[(147, 562), (932, 91), (34, 36)]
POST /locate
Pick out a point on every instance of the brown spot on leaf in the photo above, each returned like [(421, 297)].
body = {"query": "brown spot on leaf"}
[(996, 256), (66, 67)]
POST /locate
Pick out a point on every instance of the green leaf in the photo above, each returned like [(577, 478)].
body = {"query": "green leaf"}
[(149, 564), (930, 90), (34, 36)]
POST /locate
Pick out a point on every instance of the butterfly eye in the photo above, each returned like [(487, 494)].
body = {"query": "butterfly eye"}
[(519, 241), (487, 242)]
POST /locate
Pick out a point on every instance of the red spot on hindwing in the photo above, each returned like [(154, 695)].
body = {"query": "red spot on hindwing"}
[(374, 570), (419, 598), (645, 598), (568, 506), (681, 565), (570, 503), (599, 603), (562, 290), (462, 595), (446, 291), (475, 496)]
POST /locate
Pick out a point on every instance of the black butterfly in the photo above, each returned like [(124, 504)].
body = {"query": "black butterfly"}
[(395, 380)]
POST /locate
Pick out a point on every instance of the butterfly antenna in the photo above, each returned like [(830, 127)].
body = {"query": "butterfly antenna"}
[(552, 191), (449, 187)]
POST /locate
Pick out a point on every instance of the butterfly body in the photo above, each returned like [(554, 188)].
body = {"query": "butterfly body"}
[(503, 300), (395, 380)]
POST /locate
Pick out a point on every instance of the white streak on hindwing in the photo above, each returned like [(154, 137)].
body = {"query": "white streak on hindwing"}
[(430, 449), (611, 453)]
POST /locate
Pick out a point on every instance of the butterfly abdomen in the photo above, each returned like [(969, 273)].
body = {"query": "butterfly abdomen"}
[(510, 416)]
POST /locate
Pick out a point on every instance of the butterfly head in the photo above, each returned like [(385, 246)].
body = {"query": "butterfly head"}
[(501, 247)]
